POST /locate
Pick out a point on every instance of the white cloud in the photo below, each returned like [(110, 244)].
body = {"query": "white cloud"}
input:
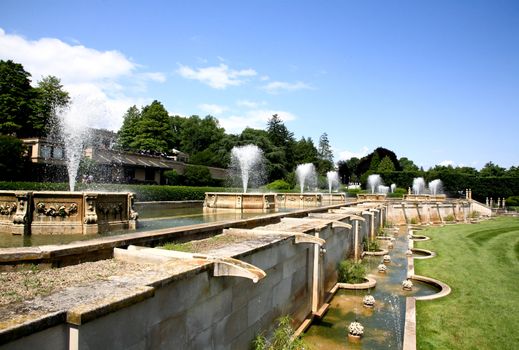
[(346, 154), (101, 78), (218, 77), (254, 119), (212, 109), (278, 86), (249, 104)]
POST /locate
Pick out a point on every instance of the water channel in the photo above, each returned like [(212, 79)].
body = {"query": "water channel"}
[(384, 324), (148, 220)]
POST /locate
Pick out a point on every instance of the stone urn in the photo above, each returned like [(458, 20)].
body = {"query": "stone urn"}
[(407, 285), (382, 268), (386, 258), (355, 331), (368, 301)]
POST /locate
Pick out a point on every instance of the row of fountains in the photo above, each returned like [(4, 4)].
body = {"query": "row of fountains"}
[(375, 185), (248, 165)]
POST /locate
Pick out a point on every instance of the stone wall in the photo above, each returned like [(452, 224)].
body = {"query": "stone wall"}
[(195, 309)]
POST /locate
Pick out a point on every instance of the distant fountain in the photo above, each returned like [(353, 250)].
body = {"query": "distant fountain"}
[(247, 164), (306, 176), (418, 185), (333, 180), (247, 169), (374, 181), (436, 187), (393, 188), (376, 190), (383, 189), (421, 193)]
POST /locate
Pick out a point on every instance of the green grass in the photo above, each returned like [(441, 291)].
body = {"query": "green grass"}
[(481, 264)]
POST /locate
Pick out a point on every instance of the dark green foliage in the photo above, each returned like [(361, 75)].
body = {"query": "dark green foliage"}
[(173, 178), (278, 185), (50, 100), (492, 170), (152, 129), (129, 129), (16, 99), (512, 201), (407, 164), (11, 157), (142, 192), (372, 160), (385, 165), (351, 272), (197, 175)]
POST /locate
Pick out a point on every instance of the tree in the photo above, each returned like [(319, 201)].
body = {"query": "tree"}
[(51, 100), (324, 155), (347, 169), (407, 164), (283, 140), (513, 171), (153, 130), (16, 99), (491, 169), (385, 165), (11, 157), (305, 151), (129, 129)]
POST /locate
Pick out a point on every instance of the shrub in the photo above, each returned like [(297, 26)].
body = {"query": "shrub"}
[(11, 157), (197, 175), (282, 338), (512, 201), (278, 185), (173, 178), (142, 192), (450, 217), (373, 246), (351, 272), (414, 221)]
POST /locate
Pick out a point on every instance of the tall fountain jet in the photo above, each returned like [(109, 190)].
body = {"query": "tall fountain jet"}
[(306, 176), (74, 131), (333, 180), (436, 187), (247, 164), (418, 185), (374, 181)]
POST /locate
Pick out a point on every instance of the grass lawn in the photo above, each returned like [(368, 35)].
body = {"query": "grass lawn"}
[(481, 264)]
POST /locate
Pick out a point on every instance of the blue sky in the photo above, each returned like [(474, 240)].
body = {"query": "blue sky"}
[(435, 81)]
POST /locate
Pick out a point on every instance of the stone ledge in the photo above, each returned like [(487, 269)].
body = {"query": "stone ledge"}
[(16, 331), (87, 312)]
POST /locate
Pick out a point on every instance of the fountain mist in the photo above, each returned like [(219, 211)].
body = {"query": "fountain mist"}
[(74, 130), (374, 181), (436, 186), (306, 175), (418, 185), (333, 180), (247, 164)]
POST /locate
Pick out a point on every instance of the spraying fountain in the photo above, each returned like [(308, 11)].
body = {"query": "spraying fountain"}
[(306, 176), (376, 190), (419, 192), (307, 179), (246, 169), (333, 196), (72, 212)]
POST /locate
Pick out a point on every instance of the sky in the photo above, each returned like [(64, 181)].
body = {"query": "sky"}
[(434, 81)]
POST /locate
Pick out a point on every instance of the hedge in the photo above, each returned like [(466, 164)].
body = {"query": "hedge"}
[(142, 192)]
